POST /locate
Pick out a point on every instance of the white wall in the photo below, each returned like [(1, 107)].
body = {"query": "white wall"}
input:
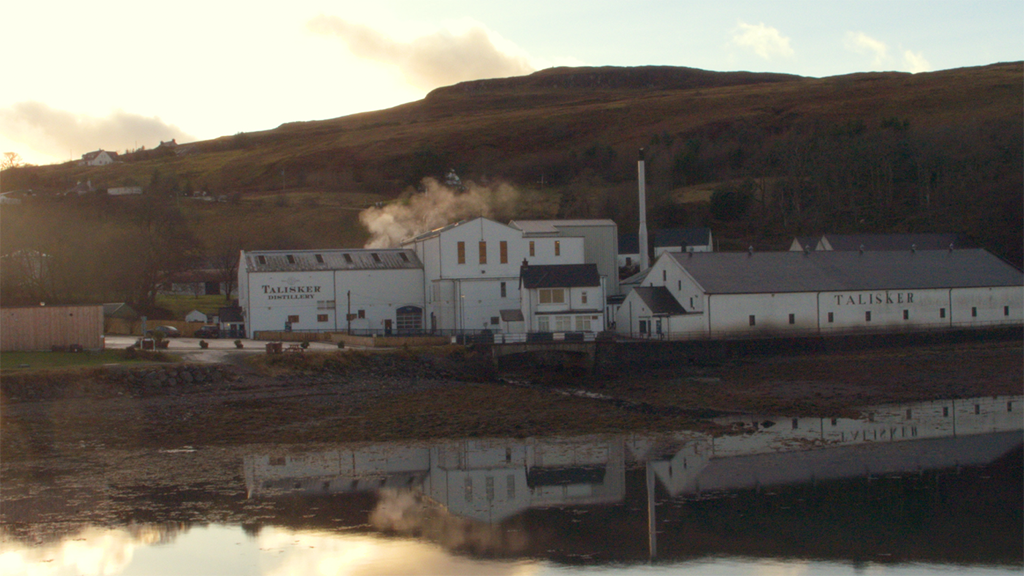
[(994, 306)]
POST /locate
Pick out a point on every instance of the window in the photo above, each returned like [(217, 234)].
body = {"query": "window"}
[(503, 290), (293, 319), (906, 314), (752, 320), (664, 275), (319, 258), (542, 324), (583, 297), (945, 411), (483, 252), (583, 323), (563, 323), (867, 316), (503, 252), (552, 296), (831, 317), (977, 408), (680, 286), (461, 247), (376, 257), (361, 314), (1006, 310), (495, 320), (942, 312), (511, 483), (348, 258), (291, 259), (532, 251), (261, 259), (403, 256), (974, 312), (558, 248), (321, 317), (792, 318)]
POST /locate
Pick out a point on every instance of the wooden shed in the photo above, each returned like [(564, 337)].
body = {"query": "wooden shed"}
[(45, 327)]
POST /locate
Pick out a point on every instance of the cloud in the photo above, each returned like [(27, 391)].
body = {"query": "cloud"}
[(54, 132), (764, 40), (438, 59), (915, 62), (861, 43)]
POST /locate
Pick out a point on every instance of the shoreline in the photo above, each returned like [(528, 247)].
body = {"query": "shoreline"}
[(419, 395)]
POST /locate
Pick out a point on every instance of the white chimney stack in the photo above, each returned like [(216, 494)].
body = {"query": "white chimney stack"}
[(642, 240)]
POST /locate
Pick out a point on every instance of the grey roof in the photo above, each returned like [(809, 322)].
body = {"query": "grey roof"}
[(552, 226), (312, 260), (514, 315), (846, 242), (560, 276), (760, 272), (682, 237), (659, 300)]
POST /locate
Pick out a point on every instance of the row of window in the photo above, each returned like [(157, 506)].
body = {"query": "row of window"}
[(867, 315), (460, 248), (294, 318), (261, 259), (565, 323)]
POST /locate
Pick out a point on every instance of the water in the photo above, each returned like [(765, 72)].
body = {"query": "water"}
[(930, 488)]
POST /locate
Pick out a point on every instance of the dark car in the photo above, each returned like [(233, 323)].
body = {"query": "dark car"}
[(207, 332), (167, 331)]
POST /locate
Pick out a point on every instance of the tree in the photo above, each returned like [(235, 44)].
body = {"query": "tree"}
[(11, 160)]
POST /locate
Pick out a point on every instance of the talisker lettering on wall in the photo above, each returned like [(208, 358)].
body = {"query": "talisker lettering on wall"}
[(290, 292), (874, 298)]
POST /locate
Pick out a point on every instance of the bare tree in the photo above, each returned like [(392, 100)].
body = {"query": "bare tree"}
[(10, 160)]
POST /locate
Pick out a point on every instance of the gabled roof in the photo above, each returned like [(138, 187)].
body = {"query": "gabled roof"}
[(682, 237), (849, 242), (535, 227), (659, 300), (312, 260), (560, 276), (629, 243), (766, 272)]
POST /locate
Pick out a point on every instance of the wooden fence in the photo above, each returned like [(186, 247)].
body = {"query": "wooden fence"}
[(46, 327)]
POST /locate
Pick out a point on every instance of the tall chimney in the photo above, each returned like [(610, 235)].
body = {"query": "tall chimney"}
[(642, 240)]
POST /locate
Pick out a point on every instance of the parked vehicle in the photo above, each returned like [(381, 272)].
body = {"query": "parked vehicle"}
[(167, 331), (207, 332)]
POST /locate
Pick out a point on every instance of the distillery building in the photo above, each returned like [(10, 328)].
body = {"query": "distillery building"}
[(357, 291), (751, 294)]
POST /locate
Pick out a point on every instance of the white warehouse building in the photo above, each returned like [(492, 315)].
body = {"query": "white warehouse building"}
[(331, 291), (748, 294)]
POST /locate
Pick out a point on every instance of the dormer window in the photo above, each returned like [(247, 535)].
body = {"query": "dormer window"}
[(319, 258), (291, 259), (403, 256), (261, 259), (348, 258), (376, 257)]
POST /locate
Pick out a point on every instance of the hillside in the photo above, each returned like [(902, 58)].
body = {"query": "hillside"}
[(758, 157)]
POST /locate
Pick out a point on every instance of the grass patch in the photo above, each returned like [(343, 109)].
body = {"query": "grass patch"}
[(28, 361)]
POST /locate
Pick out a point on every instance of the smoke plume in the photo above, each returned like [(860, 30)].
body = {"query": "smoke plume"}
[(439, 59), (436, 206), (54, 131)]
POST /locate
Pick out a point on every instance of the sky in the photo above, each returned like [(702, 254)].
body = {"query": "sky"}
[(121, 75)]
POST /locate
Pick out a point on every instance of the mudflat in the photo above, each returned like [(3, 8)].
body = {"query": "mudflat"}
[(347, 396)]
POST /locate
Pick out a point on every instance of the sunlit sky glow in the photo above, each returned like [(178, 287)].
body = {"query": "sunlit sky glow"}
[(119, 75)]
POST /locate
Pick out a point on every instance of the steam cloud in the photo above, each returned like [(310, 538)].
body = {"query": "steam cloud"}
[(54, 131), (437, 206), (439, 59), (764, 40), (410, 512)]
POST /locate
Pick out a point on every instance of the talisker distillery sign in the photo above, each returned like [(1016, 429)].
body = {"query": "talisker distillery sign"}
[(290, 292)]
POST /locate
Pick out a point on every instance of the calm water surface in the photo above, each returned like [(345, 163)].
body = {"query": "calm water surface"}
[(932, 488)]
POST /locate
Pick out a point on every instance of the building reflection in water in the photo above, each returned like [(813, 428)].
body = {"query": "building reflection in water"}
[(488, 481)]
